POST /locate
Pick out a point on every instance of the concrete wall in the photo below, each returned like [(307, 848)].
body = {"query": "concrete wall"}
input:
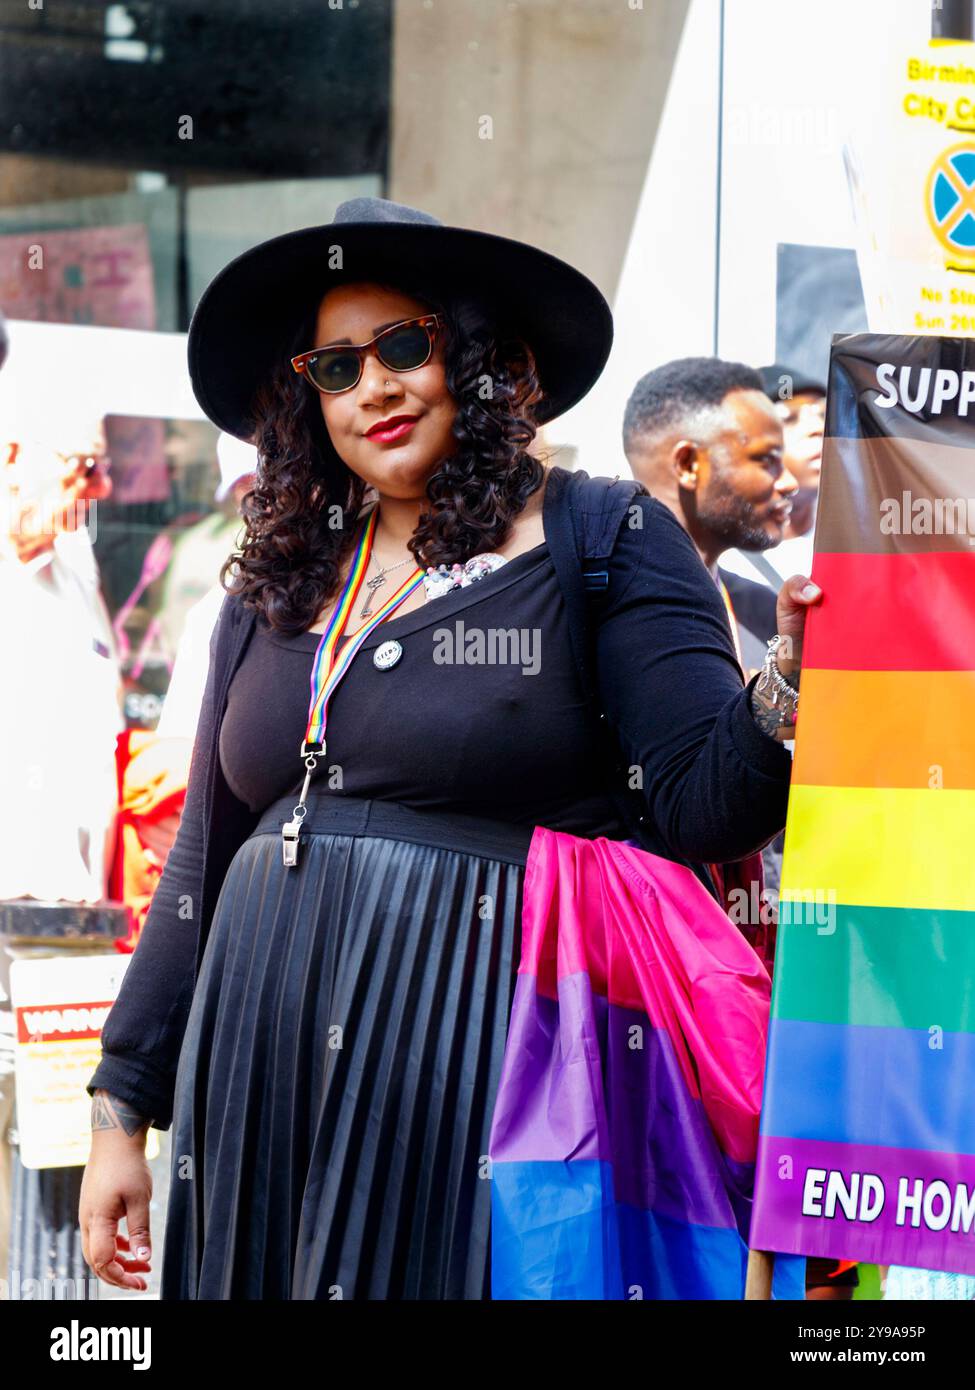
[(574, 89), (665, 301)]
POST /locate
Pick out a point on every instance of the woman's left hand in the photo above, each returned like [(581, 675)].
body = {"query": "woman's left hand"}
[(796, 595)]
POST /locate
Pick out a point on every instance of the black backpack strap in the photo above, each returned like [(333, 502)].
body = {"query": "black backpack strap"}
[(583, 517)]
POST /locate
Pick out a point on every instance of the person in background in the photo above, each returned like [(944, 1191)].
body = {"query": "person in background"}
[(55, 619), (801, 403), (61, 694), (702, 435), (181, 707), (155, 771), (200, 549)]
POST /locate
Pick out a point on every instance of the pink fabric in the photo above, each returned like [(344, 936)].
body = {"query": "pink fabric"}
[(650, 937)]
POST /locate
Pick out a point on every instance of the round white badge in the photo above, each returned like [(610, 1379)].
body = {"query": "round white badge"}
[(387, 655)]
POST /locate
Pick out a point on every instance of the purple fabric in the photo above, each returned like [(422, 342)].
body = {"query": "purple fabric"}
[(665, 1157)]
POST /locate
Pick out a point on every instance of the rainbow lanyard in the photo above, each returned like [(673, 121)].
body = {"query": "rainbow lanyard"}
[(330, 666), (733, 621)]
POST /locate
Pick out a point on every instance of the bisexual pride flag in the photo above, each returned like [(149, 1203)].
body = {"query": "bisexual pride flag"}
[(867, 1147), (626, 1121)]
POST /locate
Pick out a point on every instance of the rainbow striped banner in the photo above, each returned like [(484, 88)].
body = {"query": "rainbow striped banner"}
[(867, 1142)]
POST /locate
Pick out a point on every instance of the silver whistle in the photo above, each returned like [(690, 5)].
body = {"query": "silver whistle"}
[(291, 828), (289, 842)]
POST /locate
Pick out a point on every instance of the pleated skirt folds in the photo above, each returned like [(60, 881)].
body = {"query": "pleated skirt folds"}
[(341, 1058)]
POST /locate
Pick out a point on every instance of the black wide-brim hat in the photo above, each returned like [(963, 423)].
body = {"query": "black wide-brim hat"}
[(255, 304)]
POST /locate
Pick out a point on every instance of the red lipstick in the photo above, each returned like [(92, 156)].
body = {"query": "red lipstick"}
[(394, 428)]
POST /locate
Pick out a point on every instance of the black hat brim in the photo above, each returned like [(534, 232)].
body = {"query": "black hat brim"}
[(250, 309)]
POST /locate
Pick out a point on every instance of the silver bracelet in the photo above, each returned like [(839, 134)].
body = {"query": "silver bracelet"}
[(774, 686)]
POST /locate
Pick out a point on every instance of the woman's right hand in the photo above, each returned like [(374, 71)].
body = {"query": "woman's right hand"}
[(117, 1184)]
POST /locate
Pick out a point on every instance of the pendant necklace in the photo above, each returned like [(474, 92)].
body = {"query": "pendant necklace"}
[(373, 584)]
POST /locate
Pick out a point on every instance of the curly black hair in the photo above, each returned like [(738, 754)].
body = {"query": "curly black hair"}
[(299, 519)]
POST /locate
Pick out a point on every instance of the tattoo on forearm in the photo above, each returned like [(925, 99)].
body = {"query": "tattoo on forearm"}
[(768, 717), (108, 1112)]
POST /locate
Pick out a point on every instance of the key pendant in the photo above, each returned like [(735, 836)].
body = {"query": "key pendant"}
[(372, 585)]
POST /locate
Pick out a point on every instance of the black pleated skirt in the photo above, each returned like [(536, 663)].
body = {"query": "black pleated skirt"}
[(343, 1050)]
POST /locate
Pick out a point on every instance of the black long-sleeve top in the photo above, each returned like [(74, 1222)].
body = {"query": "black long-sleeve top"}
[(715, 787)]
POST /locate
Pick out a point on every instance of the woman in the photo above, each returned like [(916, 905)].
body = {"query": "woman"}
[(329, 1069)]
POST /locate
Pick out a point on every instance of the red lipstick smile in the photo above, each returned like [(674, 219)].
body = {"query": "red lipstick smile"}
[(394, 428)]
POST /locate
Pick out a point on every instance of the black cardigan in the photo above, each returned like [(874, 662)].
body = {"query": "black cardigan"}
[(715, 787)]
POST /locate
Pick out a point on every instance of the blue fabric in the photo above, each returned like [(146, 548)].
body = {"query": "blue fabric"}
[(557, 1232)]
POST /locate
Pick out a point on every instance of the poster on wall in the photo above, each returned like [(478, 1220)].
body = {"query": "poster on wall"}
[(88, 275), (872, 1156)]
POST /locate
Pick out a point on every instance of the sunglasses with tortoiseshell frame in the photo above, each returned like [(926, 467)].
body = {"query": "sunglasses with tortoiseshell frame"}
[(403, 347)]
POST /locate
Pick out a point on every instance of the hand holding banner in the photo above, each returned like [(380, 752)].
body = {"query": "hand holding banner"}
[(867, 1146)]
